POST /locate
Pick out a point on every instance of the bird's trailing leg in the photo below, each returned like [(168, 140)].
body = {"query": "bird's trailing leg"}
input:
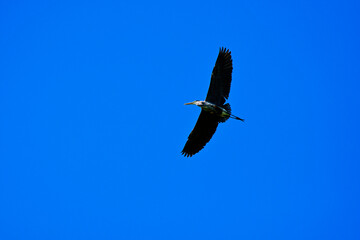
[(237, 118)]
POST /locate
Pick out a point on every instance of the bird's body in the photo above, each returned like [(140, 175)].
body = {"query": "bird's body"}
[(224, 113), (213, 109)]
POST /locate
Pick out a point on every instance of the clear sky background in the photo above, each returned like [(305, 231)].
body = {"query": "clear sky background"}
[(92, 120)]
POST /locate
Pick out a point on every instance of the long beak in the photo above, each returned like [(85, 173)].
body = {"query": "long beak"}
[(190, 103)]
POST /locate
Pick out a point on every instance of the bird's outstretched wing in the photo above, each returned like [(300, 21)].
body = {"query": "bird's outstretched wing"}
[(219, 88), (201, 134)]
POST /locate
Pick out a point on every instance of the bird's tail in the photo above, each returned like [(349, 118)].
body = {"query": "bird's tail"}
[(228, 109)]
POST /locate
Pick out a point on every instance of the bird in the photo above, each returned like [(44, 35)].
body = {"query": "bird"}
[(214, 110)]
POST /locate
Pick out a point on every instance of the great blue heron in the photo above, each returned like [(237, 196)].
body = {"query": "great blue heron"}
[(213, 109)]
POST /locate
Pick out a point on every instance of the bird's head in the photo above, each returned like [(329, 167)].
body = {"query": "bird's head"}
[(196, 102)]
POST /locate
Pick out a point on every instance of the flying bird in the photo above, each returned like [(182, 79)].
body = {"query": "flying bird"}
[(214, 110)]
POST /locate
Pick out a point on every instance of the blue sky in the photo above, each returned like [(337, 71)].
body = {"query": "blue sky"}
[(92, 120)]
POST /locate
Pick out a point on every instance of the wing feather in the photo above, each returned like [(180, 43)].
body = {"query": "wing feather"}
[(201, 134), (220, 83)]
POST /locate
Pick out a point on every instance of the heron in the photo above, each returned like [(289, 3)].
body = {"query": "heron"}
[(214, 110)]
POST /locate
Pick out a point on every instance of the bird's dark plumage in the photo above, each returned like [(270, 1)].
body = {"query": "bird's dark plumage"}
[(220, 83), (201, 134), (218, 92)]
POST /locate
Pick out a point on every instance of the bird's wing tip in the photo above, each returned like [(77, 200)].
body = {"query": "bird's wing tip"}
[(225, 50), (186, 154)]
